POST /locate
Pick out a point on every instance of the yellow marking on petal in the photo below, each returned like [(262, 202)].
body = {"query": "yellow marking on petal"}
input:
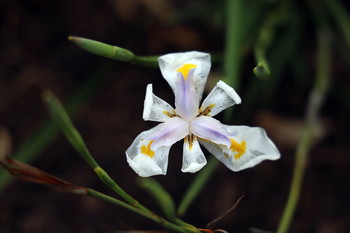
[(190, 139), (174, 114), (185, 69), (239, 148), (206, 111), (147, 149)]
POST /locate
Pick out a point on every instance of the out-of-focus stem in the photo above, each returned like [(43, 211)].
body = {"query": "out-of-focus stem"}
[(314, 104), (234, 24), (341, 16)]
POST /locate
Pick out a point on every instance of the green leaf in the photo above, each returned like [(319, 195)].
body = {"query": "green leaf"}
[(66, 125)]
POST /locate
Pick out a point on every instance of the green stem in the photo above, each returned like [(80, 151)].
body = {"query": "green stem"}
[(341, 16), (315, 102), (234, 24), (102, 174), (146, 214), (297, 180)]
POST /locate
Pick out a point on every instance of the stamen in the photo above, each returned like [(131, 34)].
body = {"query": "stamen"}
[(239, 148), (185, 69), (147, 149), (206, 111), (174, 114)]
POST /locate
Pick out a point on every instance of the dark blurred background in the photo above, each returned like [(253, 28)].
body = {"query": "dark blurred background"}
[(107, 102)]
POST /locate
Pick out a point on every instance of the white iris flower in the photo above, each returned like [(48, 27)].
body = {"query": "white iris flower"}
[(238, 147)]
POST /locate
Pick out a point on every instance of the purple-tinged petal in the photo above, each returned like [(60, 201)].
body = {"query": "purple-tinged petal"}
[(249, 147), (170, 63), (186, 99), (169, 132), (210, 129)]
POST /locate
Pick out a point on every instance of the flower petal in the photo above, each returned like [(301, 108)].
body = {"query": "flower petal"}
[(169, 132), (193, 157), (210, 129), (156, 109), (171, 64), (250, 147), (145, 161), (186, 99), (220, 98)]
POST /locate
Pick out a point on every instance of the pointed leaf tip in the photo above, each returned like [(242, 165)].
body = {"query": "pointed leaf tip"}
[(75, 39)]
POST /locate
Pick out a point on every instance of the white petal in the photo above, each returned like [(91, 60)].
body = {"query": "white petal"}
[(143, 160), (220, 98), (167, 133), (255, 145), (193, 157), (212, 130), (170, 63), (156, 109)]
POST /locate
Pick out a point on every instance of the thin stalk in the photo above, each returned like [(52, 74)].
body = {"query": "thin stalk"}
[(149, 215), (297, 180), (314, 104), (103, 175), (341, 16), (234, 25)]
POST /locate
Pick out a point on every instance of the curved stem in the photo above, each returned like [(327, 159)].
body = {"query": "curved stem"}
[(315, 102)]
